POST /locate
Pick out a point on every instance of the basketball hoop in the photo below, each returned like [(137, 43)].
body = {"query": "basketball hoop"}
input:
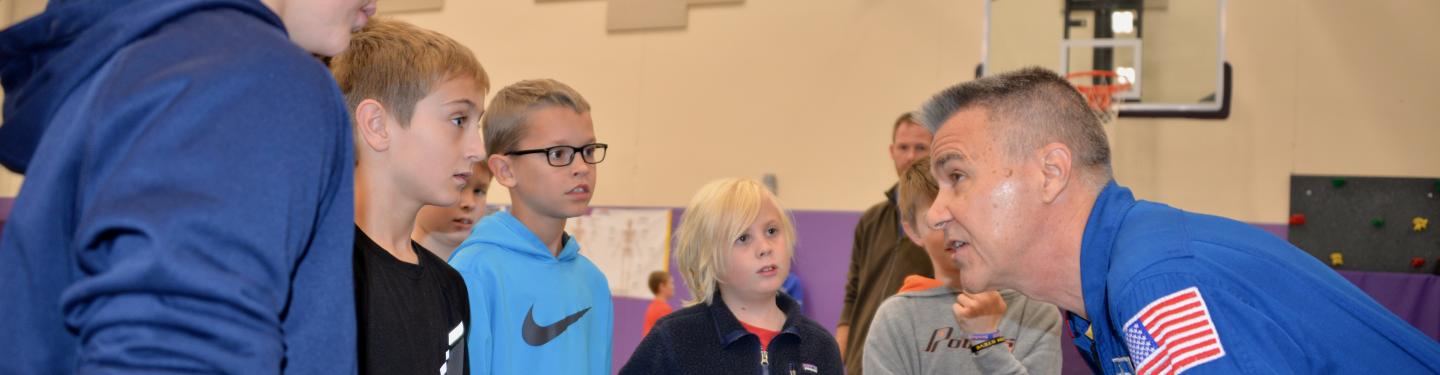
[(1100, 90)]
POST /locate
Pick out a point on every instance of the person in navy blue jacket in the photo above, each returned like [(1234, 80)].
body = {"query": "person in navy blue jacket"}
[(187, 203), (734, 248), (1028, 202)]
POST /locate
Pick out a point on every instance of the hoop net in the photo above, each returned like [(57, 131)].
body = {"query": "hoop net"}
[(1099, 88)]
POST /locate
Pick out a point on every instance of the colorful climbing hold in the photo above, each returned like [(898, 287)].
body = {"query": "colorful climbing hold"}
[(1336, 259), (1419, 223), (1297, 219), (1377, 222)]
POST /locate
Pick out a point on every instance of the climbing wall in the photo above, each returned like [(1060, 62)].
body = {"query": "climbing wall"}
[(1368, 223)]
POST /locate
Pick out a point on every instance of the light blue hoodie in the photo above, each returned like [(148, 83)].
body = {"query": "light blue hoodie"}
[(533, 313)]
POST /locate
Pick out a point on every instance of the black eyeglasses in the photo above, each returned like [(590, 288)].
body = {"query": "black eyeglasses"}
[(560, 156)]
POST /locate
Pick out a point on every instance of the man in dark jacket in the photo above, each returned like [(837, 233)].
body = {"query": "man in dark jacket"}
[(188, 192), (881, 256)]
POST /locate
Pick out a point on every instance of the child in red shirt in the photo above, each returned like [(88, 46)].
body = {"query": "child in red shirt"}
[(662, 287)]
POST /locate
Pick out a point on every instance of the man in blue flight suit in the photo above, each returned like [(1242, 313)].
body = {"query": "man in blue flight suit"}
[(1028, 203)]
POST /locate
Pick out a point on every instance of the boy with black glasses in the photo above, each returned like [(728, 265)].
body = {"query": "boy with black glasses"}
[(537, 305)]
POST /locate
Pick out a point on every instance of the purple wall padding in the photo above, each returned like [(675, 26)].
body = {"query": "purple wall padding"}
[(822, 259), (1415, 298), (1279, 230), (629, 321)]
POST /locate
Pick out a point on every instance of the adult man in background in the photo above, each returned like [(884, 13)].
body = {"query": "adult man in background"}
[(881, 256)]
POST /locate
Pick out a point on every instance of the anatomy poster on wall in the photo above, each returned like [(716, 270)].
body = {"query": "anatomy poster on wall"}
[(627, 244)]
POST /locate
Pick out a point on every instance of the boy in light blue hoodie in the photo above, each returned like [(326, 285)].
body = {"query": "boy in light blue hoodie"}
[(537, 306)]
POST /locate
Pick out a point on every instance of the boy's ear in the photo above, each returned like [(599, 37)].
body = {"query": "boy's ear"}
[(500, 166), (910, 233), (370, 118)]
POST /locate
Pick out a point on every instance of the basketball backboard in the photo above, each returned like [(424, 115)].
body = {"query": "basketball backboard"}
[(1171, 53)]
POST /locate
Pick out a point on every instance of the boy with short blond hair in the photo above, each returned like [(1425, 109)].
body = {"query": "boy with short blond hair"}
[(880, 257), (734, 248), (538, 306), (441, 229), (416, 97)]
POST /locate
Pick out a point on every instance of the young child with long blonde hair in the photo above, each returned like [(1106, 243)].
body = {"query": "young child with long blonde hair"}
[(735, 245)]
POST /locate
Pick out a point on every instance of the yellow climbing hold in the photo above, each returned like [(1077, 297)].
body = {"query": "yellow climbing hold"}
[(1420, 223)]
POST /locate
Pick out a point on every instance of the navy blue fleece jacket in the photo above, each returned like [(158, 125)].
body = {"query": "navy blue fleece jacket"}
[(708, 339)]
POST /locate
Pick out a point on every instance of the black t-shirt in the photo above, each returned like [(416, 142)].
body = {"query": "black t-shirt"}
[(414, 318)]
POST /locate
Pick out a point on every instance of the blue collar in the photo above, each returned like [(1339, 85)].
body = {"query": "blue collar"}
[(524, 240), (1111, 206), (730, 329)]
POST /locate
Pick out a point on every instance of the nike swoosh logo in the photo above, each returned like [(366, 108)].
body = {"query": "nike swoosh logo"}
[(536, 335)]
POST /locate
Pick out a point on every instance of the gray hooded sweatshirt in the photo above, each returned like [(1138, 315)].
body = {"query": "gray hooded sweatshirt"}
[(915, 333)]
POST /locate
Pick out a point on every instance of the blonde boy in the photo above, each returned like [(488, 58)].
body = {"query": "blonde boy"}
[(441, 229), (933, 328), (416, 97), (538, 306), (734, 251)]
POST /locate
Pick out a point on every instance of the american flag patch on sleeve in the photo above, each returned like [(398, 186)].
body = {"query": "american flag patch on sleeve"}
[(1173, 334)]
